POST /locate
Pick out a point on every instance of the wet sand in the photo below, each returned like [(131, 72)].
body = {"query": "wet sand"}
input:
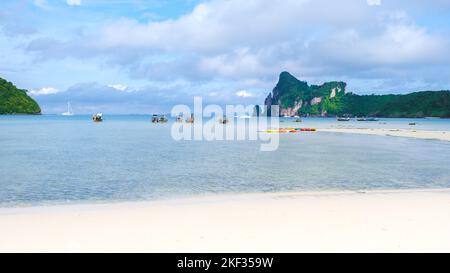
[(422, 134)]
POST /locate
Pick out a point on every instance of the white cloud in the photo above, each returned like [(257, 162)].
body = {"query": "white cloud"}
[(373, 2), (218, 42), (40, 2), (94, 97), (43, 4), (43, 91), (244, 94), (119, 87), (73, 2)]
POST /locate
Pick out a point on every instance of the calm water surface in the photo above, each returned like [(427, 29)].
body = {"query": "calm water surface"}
[(56, 159)]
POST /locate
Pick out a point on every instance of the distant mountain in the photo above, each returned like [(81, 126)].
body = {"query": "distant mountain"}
[(296, 97), (16, 101)]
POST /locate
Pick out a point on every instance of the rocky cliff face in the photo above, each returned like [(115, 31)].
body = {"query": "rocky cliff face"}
[(292, 111), (295, 97)]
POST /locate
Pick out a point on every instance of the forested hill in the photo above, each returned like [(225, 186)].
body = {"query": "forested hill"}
[(16, 101), (296, 97)]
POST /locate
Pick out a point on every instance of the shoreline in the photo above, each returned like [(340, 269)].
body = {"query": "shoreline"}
[(344, 221), (410, 133), (204, 198)]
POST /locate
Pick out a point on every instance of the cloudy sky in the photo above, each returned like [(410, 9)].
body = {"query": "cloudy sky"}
[(144, 56)]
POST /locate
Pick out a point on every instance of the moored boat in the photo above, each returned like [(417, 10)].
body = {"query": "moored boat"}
[(163, 119), (159, 119), (97, 117), (69, 110), (191, 119), (223, 120)]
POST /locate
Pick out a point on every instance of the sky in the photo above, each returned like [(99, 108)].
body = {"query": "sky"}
[(145, 56)]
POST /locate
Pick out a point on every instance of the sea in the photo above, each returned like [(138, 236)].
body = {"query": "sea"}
[(53, 159)]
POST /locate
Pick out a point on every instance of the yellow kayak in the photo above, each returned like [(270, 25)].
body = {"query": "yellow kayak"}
[(290, 130)]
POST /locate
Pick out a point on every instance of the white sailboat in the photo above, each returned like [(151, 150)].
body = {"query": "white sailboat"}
[(69, 110)]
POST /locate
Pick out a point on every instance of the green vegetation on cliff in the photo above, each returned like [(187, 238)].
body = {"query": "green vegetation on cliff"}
[(417, 104), (329, 99), (290, 90), (16, 101)]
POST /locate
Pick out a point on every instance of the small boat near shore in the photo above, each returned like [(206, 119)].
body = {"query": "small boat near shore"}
[(159, 119), (223, 120), (191, 119), (179, 118), (343, 119), (97, 117)]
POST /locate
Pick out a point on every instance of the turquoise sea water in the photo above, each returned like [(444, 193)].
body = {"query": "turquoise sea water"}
[(55, 159)]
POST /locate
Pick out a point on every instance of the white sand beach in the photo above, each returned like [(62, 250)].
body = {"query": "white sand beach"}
[(423, 134), (417, 220)]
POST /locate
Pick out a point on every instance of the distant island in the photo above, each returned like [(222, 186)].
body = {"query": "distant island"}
[(16, 101), (296, 97)]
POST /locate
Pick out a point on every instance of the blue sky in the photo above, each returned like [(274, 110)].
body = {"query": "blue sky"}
[(139, 56)]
